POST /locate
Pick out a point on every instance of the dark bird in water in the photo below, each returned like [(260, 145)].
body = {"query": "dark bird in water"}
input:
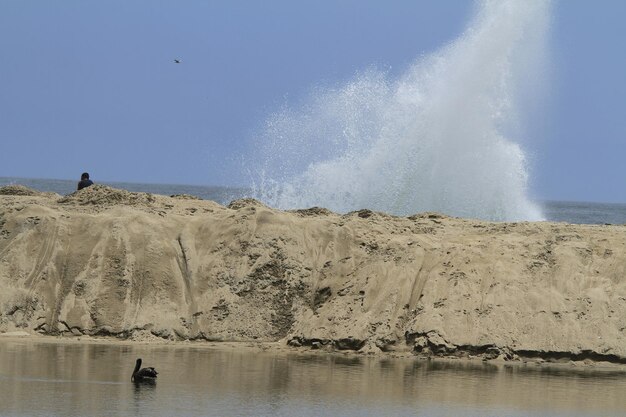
[(143, 374), (177, 61)]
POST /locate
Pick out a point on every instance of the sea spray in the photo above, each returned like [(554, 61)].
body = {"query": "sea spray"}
[(441, 137)]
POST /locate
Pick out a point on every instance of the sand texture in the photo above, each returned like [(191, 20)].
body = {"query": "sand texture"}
[(103, 261)]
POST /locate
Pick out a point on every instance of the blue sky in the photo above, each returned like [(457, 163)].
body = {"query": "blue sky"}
[(93, 85)]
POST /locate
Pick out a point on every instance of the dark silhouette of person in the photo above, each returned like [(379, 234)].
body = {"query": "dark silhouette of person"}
[(84, 181)]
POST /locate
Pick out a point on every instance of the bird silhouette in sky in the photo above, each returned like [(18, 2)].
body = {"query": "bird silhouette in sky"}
[(177, 61)]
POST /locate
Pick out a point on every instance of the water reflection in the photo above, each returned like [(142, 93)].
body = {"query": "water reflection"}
[(143, 394), (76, 380)]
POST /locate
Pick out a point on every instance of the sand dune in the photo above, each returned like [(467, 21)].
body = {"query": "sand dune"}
[(103, 261)]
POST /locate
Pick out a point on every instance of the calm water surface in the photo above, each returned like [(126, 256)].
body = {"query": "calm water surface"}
[(53, 379)]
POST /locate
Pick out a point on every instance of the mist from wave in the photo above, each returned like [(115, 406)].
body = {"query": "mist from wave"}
[(444, 136)]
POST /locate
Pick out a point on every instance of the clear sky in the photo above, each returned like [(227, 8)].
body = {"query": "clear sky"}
[(88, 85)]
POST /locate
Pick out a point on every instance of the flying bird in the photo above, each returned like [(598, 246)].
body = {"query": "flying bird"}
[(143, 375), (177, 61)]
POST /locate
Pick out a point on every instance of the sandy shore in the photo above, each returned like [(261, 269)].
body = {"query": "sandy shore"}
[(146, 268), (280, 348)]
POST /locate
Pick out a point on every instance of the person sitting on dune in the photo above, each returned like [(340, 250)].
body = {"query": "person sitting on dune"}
[(84, 181)]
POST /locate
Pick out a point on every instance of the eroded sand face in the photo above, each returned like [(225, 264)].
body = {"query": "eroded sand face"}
[(110, 262)]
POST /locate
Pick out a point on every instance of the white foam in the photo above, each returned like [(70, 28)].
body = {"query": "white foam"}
[(439, 138)]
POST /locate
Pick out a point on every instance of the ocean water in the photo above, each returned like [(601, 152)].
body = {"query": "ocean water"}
[(61, 379), (556, 211)]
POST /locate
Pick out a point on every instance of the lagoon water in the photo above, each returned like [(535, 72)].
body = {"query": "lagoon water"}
[(558, 211), (73, 379)]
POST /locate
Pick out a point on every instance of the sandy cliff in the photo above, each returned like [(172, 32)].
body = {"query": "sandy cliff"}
[(107, 261)]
